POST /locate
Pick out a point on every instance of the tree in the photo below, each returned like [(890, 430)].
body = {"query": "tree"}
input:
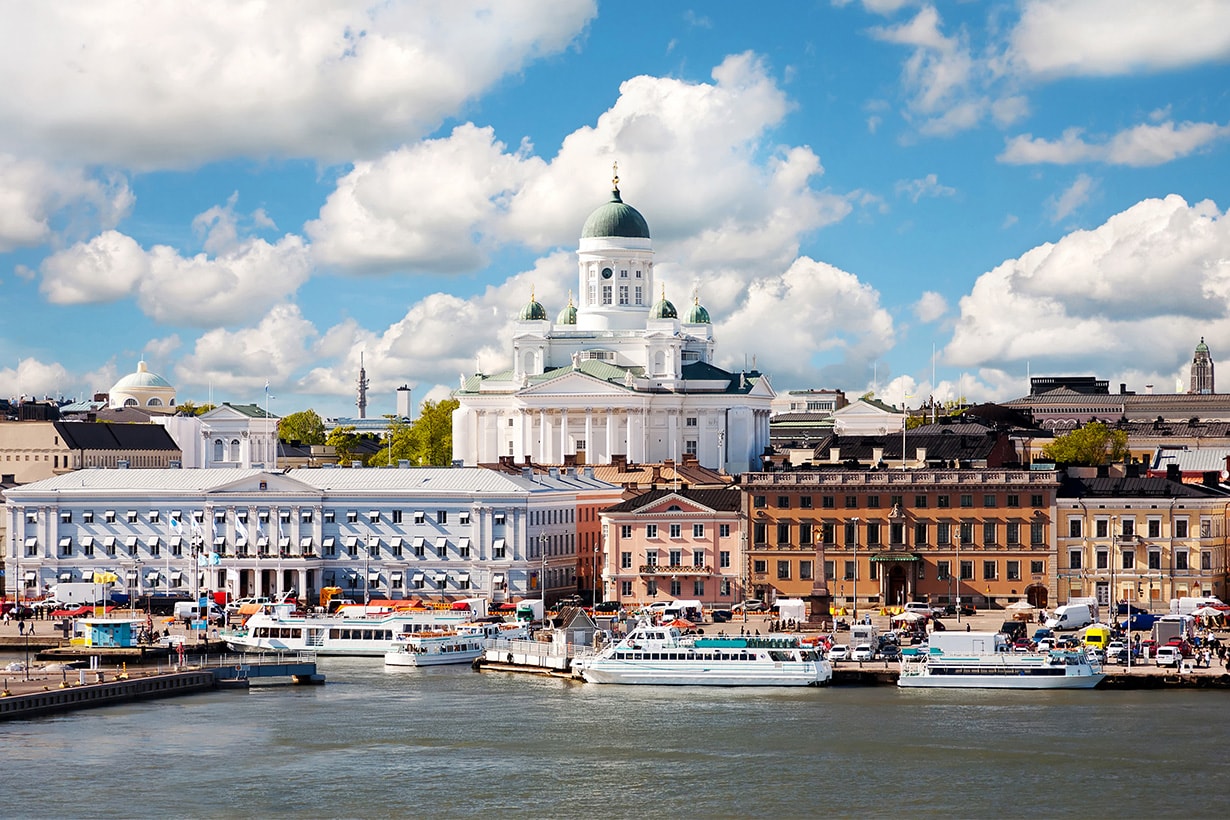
[(304, 426), (1092, 445), (188, 408), (427, 442), (343, 440)]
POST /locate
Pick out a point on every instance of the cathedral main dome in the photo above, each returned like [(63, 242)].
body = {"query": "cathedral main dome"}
[(615, 218)]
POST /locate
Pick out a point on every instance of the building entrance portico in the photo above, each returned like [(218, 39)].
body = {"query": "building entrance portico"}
[(898, 574)]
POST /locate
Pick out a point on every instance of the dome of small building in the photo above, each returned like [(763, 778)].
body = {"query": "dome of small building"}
[(615, 218), (663, 309), (697, 315), (142, 389), (1202, 347), (533, 311), (567, 316)]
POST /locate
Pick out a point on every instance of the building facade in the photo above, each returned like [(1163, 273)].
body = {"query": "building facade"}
[(35, 450), (665, 545), (620, 372), (377, 533)]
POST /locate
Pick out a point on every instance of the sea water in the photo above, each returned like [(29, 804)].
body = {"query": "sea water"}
[(449, 742)]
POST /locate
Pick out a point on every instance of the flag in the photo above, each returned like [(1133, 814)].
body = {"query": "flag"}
[(177, 526), (240, 529)]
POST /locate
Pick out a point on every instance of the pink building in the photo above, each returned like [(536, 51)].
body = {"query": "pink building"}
[(666, 545)]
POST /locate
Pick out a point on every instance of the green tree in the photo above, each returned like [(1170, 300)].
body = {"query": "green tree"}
[(188, 408), (305, 426), (343, 441), (427, 442), (1092, 445)]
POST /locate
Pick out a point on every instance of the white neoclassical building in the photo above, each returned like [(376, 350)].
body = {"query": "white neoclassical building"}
[(427, 533), (619, 372)]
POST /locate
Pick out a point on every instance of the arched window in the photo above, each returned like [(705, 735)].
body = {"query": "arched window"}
[(130, 402), (219, 450), (659, 362), (234, 449), (155, 402), (528, 367)]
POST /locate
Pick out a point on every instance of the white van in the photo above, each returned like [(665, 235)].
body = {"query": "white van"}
[(1168, 656), (1071, 616), (189, 610)]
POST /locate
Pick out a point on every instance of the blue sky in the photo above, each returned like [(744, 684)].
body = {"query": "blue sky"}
[(247, 192)]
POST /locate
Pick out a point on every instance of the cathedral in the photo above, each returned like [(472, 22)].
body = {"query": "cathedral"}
[(617, 374)]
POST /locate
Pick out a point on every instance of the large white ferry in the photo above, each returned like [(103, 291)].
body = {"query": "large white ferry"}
[(1001, 670), (460, 645), (354, 632), (663, 655)]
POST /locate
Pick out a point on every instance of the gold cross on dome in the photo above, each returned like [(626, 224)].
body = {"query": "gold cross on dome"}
[(615, 175)]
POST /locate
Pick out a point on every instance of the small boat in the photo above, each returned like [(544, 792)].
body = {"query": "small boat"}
[(1057, 669), (460, 645), (358, 631), (663, 655)]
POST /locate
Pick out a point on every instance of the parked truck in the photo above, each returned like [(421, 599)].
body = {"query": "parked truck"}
[(1090, 602), (968, 643), (79, 593), (1168, 627)]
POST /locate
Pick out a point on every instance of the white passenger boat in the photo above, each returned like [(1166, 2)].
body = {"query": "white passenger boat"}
[(663, 655), (1001, 670), (460, 645), (276, 629)]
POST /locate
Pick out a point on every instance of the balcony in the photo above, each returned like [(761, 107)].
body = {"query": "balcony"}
[(659, 569)]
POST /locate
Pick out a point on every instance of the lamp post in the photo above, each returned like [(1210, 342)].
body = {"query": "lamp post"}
[(1114, 537), (855, 521), (957, 544)]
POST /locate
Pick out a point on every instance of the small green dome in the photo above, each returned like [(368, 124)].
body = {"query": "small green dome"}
[(697, 315), (663, 309), (533, 311), (142, 378), (1202, 347), (567, 316), (615, 219)]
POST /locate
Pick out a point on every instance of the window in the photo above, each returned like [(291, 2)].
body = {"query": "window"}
[(873, 534), (760, 566), (990, 570), (441, 516), (760, 533), (805, 502), (829, 571), (66, 517), (421, 517), (943, 533), (967, 532), (920, 535), (154, 516), (1014, 534), (920, 501), (1155, 527), (625, 530), (1037, 567), (623, 294), (805, 534), (698, 530), (1180, 559), (1074, 527), (849, 570), (676, 530), (873, 502), (690, 421), (989, 500), (1180, 528), (1037, 533), (723, 530), (1206, 528), (373, 516), (1102, 560), (896, 501), (1013, 500), (1127, 527), (783, 570), (852, 502), (724, 559), (759, 501), (625, 589), (941, 501), (1129, 559), (698, 558), (1155, 559), (967, 570), (828, 533), (1075, 559), (988, 533), (1013, 570), (783, 502), (651, 530), (1035, 500), (783, 533), (132, 516), (698, 588), (828, 502), (88, 516), (851, 534), (967, 500), (1206, 560)]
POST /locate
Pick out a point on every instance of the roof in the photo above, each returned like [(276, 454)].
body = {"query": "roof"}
[(142, 480), (441, 480), (142, 378), (942, 447), (615, 218), (719, 500), (84, 435), (1134, 487), (254, 411), (1209, 459)]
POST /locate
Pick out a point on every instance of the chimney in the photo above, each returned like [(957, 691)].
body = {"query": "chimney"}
[(1148, 390), (553, 472), (1211, 478), (527, 473), (570, 459), (1172, 472), (835, 454), (920, 455), (657, 474), (1122, 388), (403, 463), (620, 461), (356, 464), (877, 455), (589, 472)]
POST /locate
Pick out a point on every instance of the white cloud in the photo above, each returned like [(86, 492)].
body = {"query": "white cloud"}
[(929, 186), (930, 306), (445, 204), (1072, 198), (1142, 145), (176, 85), (34, 379), (238, 283), (32, 192), (236, 364), (1110, 37), (1140, 288)]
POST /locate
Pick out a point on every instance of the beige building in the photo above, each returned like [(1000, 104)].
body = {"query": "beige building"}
[(35, 450)]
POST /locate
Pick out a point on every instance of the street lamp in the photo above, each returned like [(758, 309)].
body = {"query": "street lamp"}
[(957, 543), (855, 521), (1114, 607)]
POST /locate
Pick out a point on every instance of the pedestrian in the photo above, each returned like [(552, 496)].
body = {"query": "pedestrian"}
[(21, 627)]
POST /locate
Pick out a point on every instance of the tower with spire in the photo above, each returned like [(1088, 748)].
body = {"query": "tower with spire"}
[(1202, 370), (362, 384)]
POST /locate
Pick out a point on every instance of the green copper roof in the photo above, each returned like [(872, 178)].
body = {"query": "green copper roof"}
[(533, 311), (663, 309), (1202, 347), (615, 219), (696, 314), (567, 316)]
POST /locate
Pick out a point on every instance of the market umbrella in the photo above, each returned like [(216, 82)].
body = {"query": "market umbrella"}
[(1208, 612), (909, 616), (1021, 606), (682, 623)]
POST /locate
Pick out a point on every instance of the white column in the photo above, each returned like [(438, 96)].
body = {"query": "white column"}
[(563, 435), (544, 436), (610, 435), (590, 450), (674, 449), (628, 451)]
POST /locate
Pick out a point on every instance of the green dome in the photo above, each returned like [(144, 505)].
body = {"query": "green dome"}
[(567, 316), (615, 219), (663, 310), (1202, 347), (142, 378), (533, 311), (697, 315)]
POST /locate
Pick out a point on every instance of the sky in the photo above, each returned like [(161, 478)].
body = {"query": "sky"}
[(912, 198)]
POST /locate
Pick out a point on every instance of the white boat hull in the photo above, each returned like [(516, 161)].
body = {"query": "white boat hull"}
[(998, 682), (723, 674), (366, 637), (1000, 671), (398, 658)]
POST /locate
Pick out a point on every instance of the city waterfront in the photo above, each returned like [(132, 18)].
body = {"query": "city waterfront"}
[(449, 742)]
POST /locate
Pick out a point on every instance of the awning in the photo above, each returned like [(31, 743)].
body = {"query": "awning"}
[(177, 541), (463, 577), (395, 542), (154, 541), (373, 576), (306, 515), (442, 543), (419, 515), (132, 574), (263, 541), (352, 541), (463, 543), (417, 543), (31, 542), (373, 514), (177, 515), (176, 578), (66, 541), (219, 515), (131, 542), (109, 514), (87, 541), (152, 577), (87, 575), (373, 541), (109, 542), (306, 542), (66, 576), (31, 575), (417, 578), (220, 541), (497, 544), (154, 515), (498, 579), (241, 541), (132, 515), (328, 542), (284, 542), (886, 557), (441, 578), (66, 516), (395, 576)]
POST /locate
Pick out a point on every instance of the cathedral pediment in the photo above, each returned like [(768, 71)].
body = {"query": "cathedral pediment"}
[(573, 383)]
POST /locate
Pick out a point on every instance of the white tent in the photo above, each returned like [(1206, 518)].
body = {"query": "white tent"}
[(791, 609)]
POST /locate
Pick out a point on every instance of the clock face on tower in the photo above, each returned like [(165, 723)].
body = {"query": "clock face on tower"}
[(607, 273)]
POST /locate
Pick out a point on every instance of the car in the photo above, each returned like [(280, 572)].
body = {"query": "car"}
[(919, 608), (839, 652), (607, 607), (1185, 648), (1023, 646), (890, 652), (1168, 656), (1115, 646), (863, 652), (233, 606), (721, 616), (1043, 645), (1117, 656), (750, 605), (1095, 653), (1042, 633)]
